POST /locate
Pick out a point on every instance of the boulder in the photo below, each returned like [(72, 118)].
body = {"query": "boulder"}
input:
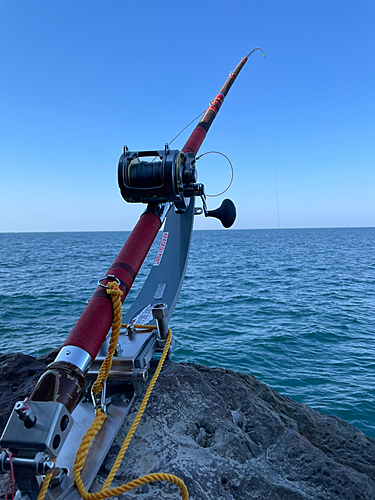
[(228, 437), (18, 375)]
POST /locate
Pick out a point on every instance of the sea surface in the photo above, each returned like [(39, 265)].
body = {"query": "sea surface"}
[(294, 307)]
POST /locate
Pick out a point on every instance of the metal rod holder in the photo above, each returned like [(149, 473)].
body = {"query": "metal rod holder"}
[(160, 313)]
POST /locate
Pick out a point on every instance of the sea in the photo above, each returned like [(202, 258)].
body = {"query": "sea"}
[(293, 307)]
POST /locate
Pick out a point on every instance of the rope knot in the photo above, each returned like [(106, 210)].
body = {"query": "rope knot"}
[(113, 289)]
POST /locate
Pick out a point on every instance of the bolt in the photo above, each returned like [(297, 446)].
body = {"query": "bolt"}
[(57, 477), (49, 465)]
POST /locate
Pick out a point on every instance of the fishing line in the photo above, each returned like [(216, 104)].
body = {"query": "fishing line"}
[(200, 114), (188, 125), (273, 150), (231, 166)]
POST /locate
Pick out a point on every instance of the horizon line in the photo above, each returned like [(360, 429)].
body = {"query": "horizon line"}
[(198, 229)]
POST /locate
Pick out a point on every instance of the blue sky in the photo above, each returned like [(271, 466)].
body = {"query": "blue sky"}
[(80, 79)]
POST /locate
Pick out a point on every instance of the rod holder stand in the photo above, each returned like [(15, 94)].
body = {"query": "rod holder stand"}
[(160, 313)]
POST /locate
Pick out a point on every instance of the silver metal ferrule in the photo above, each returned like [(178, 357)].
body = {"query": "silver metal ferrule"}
[(76, 356), (160, 210)]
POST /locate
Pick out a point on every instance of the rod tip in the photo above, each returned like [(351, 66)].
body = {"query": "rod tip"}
[(256, 48)]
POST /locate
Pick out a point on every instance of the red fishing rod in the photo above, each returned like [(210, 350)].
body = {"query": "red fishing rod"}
[(199, 133), (171, 180)]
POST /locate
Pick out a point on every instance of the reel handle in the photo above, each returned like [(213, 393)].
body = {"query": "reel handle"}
[(226, 213)]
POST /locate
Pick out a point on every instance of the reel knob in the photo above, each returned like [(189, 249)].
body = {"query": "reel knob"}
[(226, 213)]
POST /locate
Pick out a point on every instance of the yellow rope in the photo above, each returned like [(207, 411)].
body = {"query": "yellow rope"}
[(105, 492), (45, 484), (115, 293)]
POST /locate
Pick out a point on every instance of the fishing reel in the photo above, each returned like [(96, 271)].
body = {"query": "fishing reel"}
[(171, 176)]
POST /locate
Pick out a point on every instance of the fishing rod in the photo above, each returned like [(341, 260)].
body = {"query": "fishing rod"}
[(166, 181), (199, 133)]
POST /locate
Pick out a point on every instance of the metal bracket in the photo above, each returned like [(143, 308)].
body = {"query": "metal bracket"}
[(35, 433), (51, 425)]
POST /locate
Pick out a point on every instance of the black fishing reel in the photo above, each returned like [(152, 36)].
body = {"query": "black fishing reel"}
[(170, 176)]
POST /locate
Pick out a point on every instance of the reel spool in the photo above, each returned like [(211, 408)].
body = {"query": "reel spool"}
[(170, 178)]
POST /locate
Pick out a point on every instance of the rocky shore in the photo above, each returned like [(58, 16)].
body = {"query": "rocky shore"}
[(227, 436)]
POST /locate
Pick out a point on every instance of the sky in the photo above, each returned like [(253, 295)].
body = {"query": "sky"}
[(80, 79)]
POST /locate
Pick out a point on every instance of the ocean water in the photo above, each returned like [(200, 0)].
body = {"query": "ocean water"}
[(295, 308)]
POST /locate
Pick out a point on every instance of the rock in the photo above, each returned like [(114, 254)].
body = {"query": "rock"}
[(230, 437), (18, 375)]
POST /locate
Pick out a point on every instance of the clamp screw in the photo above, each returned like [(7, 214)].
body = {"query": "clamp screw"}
[(25, 413)]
